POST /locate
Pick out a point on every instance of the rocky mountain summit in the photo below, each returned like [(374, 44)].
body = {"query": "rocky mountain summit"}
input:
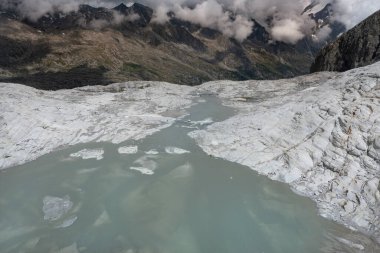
[(101, 46), (358, 47)]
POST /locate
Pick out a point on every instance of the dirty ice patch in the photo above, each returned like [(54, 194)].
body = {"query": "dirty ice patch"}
[(54, 207), (176, 151), (142, 170), (89, 154), (128, 150)]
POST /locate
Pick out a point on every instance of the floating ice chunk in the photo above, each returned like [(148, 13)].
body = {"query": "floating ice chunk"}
[(152, 152), (89, 154), (54, 208), (128, 150), (68, 222), (175, 150), (143, 171), (104, 218)]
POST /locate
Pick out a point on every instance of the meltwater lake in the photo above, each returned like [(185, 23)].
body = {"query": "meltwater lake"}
[(162, 194)]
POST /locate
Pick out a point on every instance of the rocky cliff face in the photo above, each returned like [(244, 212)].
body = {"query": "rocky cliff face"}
[(358, 47)]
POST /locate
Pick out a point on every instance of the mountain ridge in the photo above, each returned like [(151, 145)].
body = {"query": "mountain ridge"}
[(123, 44)]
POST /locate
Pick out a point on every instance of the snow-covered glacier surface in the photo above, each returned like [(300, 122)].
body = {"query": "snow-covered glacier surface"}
[(128, 146)]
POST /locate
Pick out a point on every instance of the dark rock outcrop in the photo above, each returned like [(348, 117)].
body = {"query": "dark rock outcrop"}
[(358, 47)]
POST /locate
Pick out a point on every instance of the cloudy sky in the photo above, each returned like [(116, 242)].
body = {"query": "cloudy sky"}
[(287, 22)]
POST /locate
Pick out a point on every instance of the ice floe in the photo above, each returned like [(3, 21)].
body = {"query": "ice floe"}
[(89, 154), (175, 150), (128, 150)]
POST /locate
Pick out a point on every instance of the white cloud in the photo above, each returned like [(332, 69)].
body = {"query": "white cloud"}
[(286, 23), (287, 30), (212, 15), (323, 34), (161, 14), (351, 12)]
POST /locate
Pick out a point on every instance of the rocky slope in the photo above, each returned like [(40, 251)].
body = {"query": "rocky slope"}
[(358, 47), (318, 133), (101, 46)]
